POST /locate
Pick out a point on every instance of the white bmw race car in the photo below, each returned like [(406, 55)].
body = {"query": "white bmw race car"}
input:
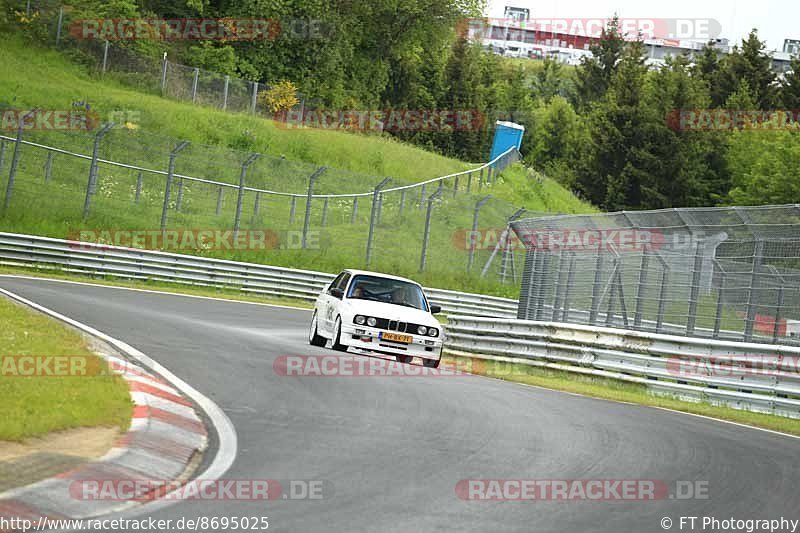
[(379, 313)]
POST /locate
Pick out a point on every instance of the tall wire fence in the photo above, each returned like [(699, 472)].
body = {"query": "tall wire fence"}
[(724, 273), (113, 181)]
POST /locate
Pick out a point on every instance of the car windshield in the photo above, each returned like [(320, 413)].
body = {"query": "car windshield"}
[(387, 290)]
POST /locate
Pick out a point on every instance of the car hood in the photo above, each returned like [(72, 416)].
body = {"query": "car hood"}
[(392, 312)]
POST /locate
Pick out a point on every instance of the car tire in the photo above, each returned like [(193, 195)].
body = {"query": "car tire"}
[(405, 359), (337, 345), (314, 338), (431, 363)]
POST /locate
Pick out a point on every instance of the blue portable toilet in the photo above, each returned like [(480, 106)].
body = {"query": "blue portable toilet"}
[(506, 135)]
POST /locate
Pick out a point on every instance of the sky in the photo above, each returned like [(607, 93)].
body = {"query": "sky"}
[(775, 20)]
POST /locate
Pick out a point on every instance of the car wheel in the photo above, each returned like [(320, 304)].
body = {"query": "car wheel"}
[(337, 336), (405, 359), (314, 338), (431, 363)]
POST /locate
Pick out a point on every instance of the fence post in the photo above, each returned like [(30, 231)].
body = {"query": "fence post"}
[(469, 182), (662, 293), (559, 288), (422, 196), (455, 187), (15, 159), (225, 93), (776, 327), (324, 212), (598, 267), (380, 209), (402, 201), (253, 98), (92, 184), (48, 167), (293, 210), (694, 290), (240, 198), (544, 271), (480, 180), (105, 56), (720, 300), (472, 241), (220, 192), (309, 197), (570, 282), (752, 303), (164, 75), (59, 24), (194, 84), (641, 288), (138, 188), (355, 210), (168, 187), (371, 235), (427, 233)]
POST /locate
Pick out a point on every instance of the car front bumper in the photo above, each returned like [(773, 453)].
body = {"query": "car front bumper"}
[(368, 338)]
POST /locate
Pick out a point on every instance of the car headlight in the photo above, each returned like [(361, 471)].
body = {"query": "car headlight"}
[(371, 321), (422, 330), (360, 319), (433, 332)]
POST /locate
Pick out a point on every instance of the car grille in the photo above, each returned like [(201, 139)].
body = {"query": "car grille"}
[(395, 325)]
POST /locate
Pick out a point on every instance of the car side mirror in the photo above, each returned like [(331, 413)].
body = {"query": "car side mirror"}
[(336, 293), (435, 309)]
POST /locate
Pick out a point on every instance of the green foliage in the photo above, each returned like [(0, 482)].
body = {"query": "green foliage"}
[(765, 167)]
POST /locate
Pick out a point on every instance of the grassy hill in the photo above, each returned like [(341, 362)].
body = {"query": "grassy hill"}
[(219, 142)]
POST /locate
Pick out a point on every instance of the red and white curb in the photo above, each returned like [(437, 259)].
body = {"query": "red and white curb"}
[(164, 436)]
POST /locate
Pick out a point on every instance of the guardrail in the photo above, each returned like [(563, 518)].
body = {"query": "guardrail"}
[(755, 377), (132, 263)]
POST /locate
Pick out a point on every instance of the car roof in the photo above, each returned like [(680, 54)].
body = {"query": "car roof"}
[(380, 275)]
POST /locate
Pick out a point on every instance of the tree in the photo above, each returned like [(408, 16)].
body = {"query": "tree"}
[(790, 86), (750, 63), (595, 72)]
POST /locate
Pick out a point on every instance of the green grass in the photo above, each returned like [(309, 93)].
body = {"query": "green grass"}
[(36, 405), (42, 77), (618, 391)]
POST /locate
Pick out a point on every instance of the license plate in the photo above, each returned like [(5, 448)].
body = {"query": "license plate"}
[(396, 337)]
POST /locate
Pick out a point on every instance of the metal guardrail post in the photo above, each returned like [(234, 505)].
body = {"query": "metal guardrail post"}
[(220, 193), (194, 84), (598, 272), (570, 282), (253, 98), (309, 197), (168, 187), (694, 290), (12, 173), (752, 291), (354, 213), (59, 24), (372, 221), (225, 93), (164, 63), (427, 232), (641, 288), (720, 300), (138, 194), (48, 167), (240, 197), (105, 57), (471, 242), (92, 183)]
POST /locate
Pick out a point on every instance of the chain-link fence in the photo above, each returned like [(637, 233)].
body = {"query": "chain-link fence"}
[(110, 183), (724, 273)]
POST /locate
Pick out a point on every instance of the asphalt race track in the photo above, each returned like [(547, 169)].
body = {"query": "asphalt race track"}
[(391, 450)]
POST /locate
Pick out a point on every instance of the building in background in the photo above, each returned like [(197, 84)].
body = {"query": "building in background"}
[(791, 47)]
